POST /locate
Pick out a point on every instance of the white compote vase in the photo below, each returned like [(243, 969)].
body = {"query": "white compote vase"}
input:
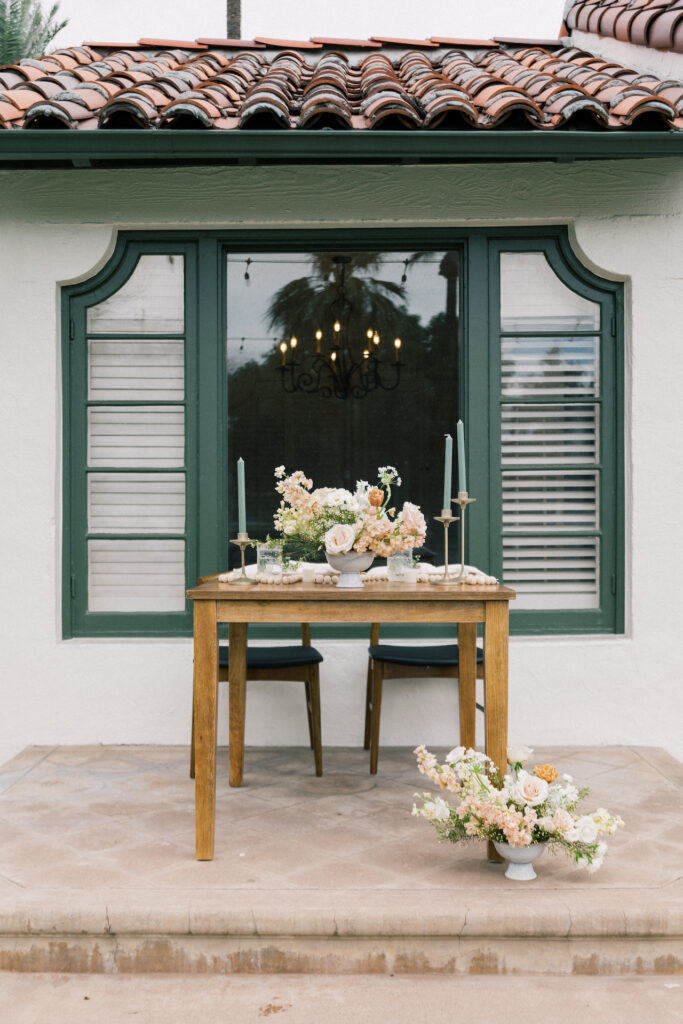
[(520, 860), (350, 564)]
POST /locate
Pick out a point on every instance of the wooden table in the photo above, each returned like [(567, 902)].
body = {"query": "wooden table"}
[(216, 602)]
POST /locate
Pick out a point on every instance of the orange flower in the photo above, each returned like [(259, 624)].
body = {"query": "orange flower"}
[(375, 496), (545, 772)]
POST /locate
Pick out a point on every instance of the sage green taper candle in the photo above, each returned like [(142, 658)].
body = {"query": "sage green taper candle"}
[(462, 469), (447, 473), (241, 504)]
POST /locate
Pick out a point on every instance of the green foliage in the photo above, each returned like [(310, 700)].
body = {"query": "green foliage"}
[(25, 30), (310, 547)]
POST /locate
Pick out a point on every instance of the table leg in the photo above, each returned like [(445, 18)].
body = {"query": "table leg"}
[(237, 696), (496, 687), (205, 721), (467, 682)]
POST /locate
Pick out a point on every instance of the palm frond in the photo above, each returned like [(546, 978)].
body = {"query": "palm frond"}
[(25, 30)]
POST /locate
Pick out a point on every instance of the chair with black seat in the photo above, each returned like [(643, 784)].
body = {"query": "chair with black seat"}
[(297, 662), (392, 661)]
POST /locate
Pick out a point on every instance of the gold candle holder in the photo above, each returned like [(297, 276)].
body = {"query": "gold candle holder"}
[(463, 500), (446, 518), (243, 542)]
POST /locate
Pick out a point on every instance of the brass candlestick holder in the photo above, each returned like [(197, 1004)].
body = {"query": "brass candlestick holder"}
[(446, 518), (463, 500), (243, 542)]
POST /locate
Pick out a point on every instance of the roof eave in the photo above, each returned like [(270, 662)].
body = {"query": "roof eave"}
[(104, 148)]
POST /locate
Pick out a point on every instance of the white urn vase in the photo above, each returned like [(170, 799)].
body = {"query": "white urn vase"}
[(520, 860), (350, 564)]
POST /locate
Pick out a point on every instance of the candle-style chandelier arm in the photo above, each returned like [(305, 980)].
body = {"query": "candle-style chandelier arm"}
[(335, 369)]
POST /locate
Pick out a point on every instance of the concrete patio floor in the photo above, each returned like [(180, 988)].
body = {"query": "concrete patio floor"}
[(326, 875)]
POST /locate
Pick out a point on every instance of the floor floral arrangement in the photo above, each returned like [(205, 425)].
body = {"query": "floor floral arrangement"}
[(523, 809), (334, 520)]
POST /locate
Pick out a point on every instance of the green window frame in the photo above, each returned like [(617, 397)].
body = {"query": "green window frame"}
[(205, 403)]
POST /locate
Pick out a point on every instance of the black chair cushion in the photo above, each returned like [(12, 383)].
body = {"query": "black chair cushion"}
[(439, 654), (274, 657)]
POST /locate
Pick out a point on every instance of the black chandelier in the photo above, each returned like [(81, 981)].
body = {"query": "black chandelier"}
[(350, 368)]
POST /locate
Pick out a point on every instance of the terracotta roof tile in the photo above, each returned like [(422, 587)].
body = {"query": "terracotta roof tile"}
[(392, 85), (233, 44), (288, 44), (653, 23), (479, 44), (396, 41), (348, 44)]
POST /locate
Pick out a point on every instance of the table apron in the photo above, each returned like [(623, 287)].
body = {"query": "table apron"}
[(344, 611)]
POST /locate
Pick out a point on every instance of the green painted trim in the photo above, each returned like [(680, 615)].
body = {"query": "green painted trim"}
[(609, 616), (83, 149), (76, 299), (207, 467)]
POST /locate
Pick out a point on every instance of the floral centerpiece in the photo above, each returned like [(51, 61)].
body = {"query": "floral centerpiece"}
[(335, 521), (520, 810)]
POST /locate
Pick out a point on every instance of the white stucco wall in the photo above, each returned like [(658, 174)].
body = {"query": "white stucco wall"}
[(627, 221)]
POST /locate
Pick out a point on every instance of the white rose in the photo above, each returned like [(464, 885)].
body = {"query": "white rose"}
[(455, 755), (339, 538), (530, 790), (518, 755), (586, 829)]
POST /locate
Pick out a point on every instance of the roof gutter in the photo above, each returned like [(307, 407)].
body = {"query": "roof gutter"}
[(106, 148)]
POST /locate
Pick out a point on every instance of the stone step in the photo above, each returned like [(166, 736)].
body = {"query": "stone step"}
[(308, 932)]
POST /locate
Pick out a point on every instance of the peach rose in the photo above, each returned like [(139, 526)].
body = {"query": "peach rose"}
[(531, 790), (562, 820), (339, 539), (413, 518)]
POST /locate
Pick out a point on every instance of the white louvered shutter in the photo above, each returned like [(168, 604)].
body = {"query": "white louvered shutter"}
[(550, 388), (136, 442)]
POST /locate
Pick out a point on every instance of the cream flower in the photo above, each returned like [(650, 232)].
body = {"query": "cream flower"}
[(339, 539), (455, 755), (586, 829), (436, 810), (518, 755), (530, 790)]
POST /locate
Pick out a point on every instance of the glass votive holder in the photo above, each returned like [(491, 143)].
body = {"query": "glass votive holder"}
[(398, 565), (268, 560), (307, 573)]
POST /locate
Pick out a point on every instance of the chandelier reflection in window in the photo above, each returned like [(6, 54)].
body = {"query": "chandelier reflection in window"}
[(349, 359)]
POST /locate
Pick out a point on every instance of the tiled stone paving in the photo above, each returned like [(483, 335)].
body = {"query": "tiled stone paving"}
[(319, 875), (123, 817)]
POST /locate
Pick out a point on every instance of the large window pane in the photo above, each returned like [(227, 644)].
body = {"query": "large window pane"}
[(274, 296)]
